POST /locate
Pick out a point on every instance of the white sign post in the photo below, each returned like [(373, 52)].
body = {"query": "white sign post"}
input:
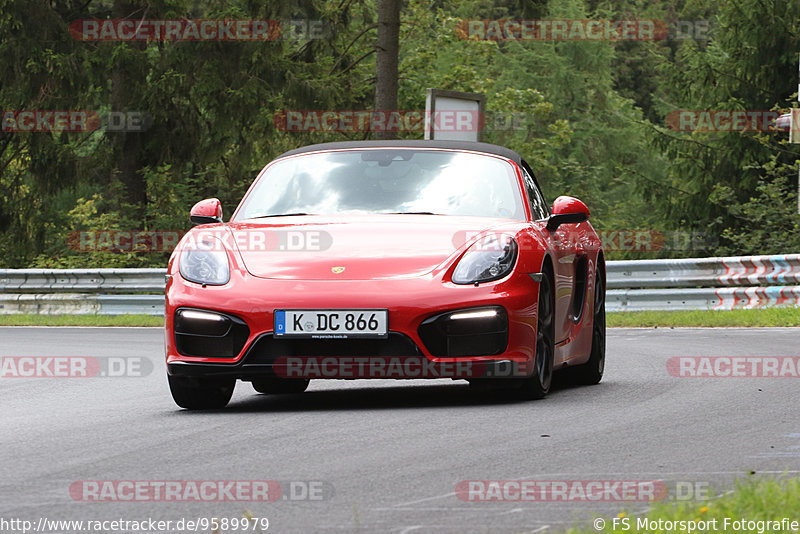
[(453, 115)]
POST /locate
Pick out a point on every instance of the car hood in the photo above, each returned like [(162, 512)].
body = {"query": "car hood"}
[(353, 247)]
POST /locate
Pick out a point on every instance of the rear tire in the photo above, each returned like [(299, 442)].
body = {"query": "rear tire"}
[(591, 372), (272, 384), (201, 393), (538, 384)]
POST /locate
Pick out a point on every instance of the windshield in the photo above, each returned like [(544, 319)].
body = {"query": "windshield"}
[(386, 181)]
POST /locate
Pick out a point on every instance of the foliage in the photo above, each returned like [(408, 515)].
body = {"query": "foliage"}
[(757, 500)]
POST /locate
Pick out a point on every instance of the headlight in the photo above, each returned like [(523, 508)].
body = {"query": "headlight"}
[(489, 259), (207, 263)]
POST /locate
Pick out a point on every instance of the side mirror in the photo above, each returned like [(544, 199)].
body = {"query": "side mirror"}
[(206, 211), (567, 210)]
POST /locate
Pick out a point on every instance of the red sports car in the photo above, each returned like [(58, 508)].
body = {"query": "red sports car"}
[(386, 259)]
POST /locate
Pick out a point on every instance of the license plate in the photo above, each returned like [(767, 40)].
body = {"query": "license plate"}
[(332, 324)]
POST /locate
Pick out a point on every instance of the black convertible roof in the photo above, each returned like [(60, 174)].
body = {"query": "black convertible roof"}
[(452, 145)]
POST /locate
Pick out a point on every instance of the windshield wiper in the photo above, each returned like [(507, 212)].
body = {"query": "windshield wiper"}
[(299, 214), (280, 215), (412, 213)]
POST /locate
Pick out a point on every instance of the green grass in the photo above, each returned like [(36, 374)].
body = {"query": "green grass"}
[(80, 320), (753, 500), (765, 317)]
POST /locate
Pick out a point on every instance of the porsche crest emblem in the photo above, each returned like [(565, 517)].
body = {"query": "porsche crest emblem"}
[(337, 270)]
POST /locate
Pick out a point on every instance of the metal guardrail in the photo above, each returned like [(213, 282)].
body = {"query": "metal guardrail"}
[(82, 291), (639, 285), (706, 298), (726, 283), (81, 303), (82, 280), (705, 272)]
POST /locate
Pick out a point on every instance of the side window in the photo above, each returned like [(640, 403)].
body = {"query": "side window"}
[(538, 205)]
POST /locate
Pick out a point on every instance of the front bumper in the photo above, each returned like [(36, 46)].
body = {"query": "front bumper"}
[(416, 307)]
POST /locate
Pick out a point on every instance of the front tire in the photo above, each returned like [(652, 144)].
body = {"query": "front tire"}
[(591, 372), (201, 393), (538, 384)]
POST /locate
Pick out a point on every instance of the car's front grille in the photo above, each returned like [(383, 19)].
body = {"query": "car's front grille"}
[(468, 332), (266, 349), (199, 336)]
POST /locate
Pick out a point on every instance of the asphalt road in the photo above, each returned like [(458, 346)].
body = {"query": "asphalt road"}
[(386, 456)]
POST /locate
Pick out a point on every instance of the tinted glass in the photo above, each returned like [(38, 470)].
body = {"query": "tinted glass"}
[(539, 207), (387, 181)]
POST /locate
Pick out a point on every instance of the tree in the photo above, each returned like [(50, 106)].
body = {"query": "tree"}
[(388, 51), (212, 105), (750, 63)]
